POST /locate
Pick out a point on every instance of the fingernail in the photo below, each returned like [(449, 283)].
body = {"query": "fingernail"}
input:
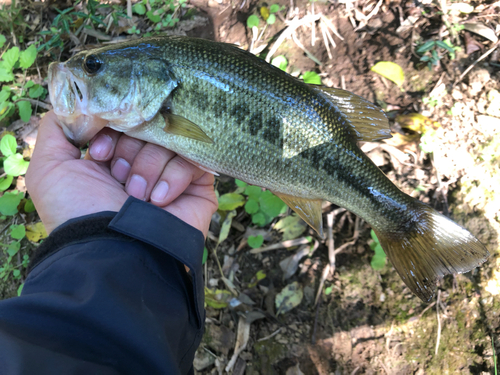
[(120, 170), (137, 187), (101, 147), (159, 192)]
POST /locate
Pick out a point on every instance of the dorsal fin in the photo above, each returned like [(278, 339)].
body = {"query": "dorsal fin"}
[(366, 121)]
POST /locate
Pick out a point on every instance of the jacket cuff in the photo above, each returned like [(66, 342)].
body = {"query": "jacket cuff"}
[(136, 221)]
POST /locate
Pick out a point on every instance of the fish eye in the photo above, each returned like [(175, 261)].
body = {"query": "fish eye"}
[(92, 64)]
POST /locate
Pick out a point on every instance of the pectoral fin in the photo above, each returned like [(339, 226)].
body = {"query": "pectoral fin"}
[(308, 209), (179, 125), (365, 121)]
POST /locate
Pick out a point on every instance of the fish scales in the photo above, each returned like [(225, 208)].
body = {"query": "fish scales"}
[(244, 114), (226, 110)]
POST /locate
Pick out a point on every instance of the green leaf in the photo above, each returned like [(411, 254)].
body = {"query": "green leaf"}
[(280, 62), (13, 248), (8, 145), (139, 8), (4, 95), (9, 202), (36, 91), (16, 273), (153, 17), (240, 183), (289, 297), (17, 231), (271, 19), (390, 70), (379, 259), (5, 182), (231, 201), (274, 8), (27, 57), (29, 84), (6, 73), (374, 236), (252, 21), (2, 40), (205, 255), (259, 219), (253, 192), (6, 109), (311, 77), (20, 289), (255, 241), (25, 110), (29, 206), (251, 207), (427, 46), (271, 205), (15, 165), (292, 227), (226, 226), (11, 56)]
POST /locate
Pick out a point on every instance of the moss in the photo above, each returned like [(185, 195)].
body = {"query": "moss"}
[(268, 353)]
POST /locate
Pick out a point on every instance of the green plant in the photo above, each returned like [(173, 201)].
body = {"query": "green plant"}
[(69, 23), (262, 206), (429, 141), (311, 77), (12, 20), (280, 62), (431, 51), (268, 14), (379, 259), (163, 13), (19, 91)]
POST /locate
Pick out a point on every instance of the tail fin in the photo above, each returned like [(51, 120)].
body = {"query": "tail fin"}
[(432, 246)]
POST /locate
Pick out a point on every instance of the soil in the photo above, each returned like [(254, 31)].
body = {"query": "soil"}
[(370, 322), (367, 321)]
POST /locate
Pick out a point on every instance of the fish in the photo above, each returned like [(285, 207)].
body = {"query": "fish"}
[(226, 110)]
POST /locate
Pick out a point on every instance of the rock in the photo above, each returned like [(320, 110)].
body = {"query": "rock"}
[(219, 338), (477, 80), (202, 360)]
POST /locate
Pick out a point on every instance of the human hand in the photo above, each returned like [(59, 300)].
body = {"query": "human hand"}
[(64, 187)]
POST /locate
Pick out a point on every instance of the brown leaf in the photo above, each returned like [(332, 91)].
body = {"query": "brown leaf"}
[(471, 44)]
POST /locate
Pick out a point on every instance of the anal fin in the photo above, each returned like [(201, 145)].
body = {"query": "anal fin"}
[(179, 125), (308, 209)]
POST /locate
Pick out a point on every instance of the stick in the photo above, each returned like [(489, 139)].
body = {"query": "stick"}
[(439, 323), (483, 56)]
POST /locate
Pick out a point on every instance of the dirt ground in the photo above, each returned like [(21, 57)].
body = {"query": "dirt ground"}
[(362, 320), (370, 322)]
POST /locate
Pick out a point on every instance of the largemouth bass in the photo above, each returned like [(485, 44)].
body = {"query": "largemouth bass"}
[(228, 111)]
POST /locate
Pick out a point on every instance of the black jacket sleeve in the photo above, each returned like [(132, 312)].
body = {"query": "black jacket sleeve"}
[(108, 294)]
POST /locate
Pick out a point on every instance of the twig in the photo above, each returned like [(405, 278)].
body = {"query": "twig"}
[(315, 327), (325, 40), (284, 244), (293, 25), (46, 106), (129, 9), (331, 27), (482, 57), (427, 308), (439, 323), (309, 54), (271, 335)]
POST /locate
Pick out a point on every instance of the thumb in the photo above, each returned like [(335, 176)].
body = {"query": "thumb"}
[(51, 149)]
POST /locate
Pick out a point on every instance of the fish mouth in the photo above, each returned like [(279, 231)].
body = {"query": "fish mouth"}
[(69, 97)]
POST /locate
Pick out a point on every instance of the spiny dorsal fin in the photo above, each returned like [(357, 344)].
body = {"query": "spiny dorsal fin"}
[(179, 125), (434, 247), (367, 122), (308, 209)]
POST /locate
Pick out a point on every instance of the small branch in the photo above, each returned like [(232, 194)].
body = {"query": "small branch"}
[(39, 103), (482, 57), (439, 323)]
